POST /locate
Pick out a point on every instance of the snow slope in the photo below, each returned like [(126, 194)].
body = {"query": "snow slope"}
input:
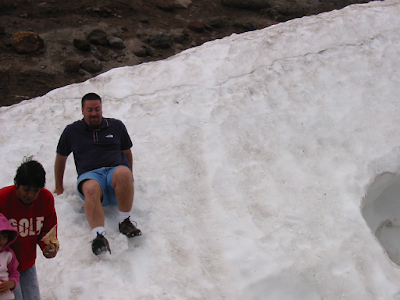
[(253, 156)]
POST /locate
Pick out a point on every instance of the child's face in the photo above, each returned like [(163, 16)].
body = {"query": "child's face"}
[(27, 194), (3, 239)]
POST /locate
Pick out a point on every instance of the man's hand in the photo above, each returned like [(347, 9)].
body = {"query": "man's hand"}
[(6, 286), (59, 168), (59, 191), (50, 251)]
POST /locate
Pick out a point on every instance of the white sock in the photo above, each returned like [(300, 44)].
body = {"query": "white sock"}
[(99, 229), (123, 215)]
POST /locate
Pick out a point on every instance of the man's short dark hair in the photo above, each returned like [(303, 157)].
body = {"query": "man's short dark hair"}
[(30, 173), (90, 96)]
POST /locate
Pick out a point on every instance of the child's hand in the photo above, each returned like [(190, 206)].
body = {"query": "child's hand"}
[(52, 247), (50, 251), (6, 286)]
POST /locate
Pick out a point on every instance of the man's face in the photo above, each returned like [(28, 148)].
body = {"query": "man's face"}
[(92, 113), (27, 194)]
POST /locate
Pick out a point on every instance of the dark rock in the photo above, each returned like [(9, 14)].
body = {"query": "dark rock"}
[(150, 51), (141, 52), (208, 27), (72, 66), (196, 26), (91, 66), (167, 5), (182, 37), (137, 47), (217, 22), (179, 39), (116, 42), (100, 52), (182, 3), (83, 45), (25, 42), (292, 11), (247, 26), (98, 37), (2, 30), (271, 13), (101, 11), (7, 41), (252, 4), (160, 40)]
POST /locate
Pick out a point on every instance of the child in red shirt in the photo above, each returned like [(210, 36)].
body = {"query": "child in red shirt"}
[(29, 208)]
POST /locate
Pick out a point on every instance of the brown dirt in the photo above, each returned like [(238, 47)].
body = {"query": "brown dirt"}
[(25, 76)]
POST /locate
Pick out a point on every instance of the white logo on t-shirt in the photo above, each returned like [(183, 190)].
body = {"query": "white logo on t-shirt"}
[(27, 227)]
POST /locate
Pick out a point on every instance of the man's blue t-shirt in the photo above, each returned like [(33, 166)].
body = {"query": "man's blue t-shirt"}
[(95, 148)]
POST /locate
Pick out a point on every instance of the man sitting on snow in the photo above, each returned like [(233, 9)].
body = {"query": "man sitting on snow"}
[(103, 160)]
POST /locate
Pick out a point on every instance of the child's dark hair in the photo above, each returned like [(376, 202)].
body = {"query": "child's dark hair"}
[(30, 173), (8, 233)]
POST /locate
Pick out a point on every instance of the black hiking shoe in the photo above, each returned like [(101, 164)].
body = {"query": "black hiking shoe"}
[(100, 245), (128, 229)]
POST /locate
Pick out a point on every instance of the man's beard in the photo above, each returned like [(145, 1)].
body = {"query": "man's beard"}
[(94, 121)]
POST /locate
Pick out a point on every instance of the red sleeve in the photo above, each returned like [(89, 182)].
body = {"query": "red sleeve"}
[(50, 219)]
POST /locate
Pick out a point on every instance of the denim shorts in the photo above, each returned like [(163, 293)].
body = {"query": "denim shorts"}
[(103, 176)]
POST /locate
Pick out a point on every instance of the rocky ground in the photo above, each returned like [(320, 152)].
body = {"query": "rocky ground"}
[(129, 32)]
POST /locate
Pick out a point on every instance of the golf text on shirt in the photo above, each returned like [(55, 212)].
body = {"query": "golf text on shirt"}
[(27, 227)]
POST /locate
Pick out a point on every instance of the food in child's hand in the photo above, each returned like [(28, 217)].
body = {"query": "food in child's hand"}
[(53, 240)]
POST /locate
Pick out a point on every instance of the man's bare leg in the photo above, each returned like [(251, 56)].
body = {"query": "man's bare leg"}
[(94, 212), (122, 182)]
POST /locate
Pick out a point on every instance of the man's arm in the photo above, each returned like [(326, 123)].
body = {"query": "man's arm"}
[(128, 154), (59, 168)]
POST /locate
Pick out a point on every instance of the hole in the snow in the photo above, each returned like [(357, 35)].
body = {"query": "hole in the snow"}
[(382, 212)]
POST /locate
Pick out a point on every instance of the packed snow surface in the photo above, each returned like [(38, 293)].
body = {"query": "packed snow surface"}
[(266, 167)]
